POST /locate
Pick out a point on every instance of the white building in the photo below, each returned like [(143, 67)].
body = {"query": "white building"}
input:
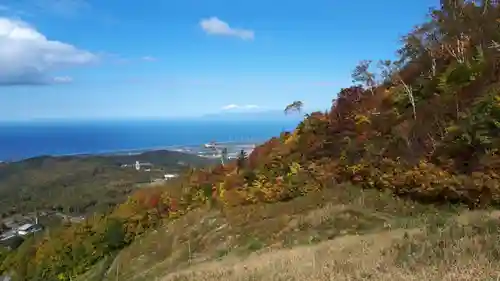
[(170, 176), (138, 165), (8, 235), (28, 228)]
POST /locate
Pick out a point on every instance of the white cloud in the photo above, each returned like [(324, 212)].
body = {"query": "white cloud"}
[(215, 26), (230, 106), (28, 57), (235, 106), (63, 79)]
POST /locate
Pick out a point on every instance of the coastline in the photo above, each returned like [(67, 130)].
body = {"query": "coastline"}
[(18, 143), (194, 149)]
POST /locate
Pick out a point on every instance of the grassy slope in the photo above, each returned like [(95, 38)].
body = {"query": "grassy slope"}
[(379, 256), (343, 233)]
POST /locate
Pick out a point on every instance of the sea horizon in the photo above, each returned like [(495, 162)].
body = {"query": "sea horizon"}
[(21, 140)]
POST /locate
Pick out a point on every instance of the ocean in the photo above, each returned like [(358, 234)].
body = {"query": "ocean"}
[(23, 140)]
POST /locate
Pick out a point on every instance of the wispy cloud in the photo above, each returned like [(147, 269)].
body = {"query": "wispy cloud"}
[(251, 106), (61, 8), (149, 58), (114, 58), (27, 57), (235, 106), (12, 12), (65, 8), (230, 106), (120, 59), (62, 79), (215, 26)]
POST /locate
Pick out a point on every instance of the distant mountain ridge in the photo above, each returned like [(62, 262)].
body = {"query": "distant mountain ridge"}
[(253, 115)]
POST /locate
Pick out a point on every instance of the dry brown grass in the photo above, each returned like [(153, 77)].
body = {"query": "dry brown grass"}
[(338, 234), (452, 252)]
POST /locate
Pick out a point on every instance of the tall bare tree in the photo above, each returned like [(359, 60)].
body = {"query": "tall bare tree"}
[(390, 73)]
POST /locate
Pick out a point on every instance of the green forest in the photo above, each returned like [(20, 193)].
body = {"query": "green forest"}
[(82, 184)]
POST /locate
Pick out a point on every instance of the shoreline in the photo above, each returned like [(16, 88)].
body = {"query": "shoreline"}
[(192, 149)]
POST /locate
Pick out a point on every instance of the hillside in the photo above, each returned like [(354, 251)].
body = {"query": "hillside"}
[(82, 184), (335, 234), (399, 180)]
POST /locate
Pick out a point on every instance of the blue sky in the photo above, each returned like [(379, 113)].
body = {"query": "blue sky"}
[(81, 59)]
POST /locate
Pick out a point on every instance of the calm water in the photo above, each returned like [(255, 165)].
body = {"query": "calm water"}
[(24, 140)]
